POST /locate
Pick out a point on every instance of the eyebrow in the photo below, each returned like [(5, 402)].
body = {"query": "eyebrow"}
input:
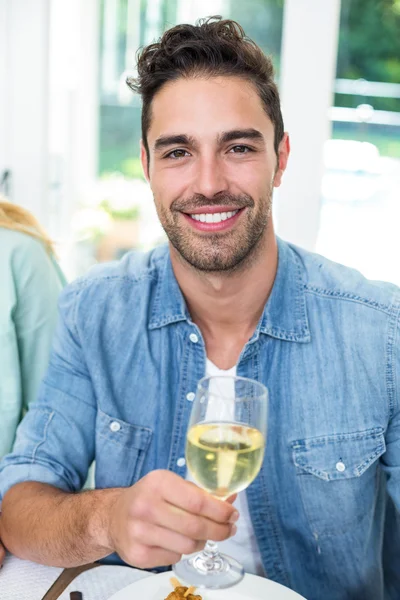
[(170, 140), (243, 134)]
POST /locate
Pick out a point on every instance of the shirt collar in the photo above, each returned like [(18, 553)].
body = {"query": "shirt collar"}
[(285, 313), (284, 316), (168, 305)]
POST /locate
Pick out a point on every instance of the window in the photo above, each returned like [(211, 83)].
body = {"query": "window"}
[(360, 208)]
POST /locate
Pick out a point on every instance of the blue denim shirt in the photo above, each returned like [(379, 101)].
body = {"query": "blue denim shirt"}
[(125, 361)]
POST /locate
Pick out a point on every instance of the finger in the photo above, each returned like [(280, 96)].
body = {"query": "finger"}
[(190, 498), (148, 557), (2, 554), (152, 535), (192, 526)]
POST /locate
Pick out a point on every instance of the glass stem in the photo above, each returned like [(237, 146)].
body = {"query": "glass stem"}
[(210, 553)]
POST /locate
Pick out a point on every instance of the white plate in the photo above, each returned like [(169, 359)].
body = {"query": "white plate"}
[(157, 587)]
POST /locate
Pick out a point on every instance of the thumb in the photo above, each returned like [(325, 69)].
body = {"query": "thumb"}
[(231, 499)]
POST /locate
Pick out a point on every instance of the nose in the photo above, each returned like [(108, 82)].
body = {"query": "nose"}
[(210, 177)]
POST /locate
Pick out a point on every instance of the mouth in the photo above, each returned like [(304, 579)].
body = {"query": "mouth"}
[(213, 218)]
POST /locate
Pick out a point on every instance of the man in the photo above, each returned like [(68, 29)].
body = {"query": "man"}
[(135, 337)]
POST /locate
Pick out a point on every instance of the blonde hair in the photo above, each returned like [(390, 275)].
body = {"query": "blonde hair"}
[(19, 219)]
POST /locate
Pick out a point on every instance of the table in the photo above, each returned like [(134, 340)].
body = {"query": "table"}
[(25, 580)]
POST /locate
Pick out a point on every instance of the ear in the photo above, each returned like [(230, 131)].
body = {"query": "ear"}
[(144, 161), (283, 156)]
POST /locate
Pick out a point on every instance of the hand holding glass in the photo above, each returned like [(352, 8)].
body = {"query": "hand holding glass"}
[(224, 452)]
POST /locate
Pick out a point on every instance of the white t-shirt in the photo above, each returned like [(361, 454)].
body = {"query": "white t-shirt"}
[(243, 545)]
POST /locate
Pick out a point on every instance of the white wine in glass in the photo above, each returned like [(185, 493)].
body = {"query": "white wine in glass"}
[(224, 458), (224, 452)]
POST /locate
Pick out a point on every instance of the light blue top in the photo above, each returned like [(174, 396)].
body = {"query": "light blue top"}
[(127, 358), (30, 282)]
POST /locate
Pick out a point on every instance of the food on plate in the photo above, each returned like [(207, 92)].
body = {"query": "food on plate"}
[(181, 592)]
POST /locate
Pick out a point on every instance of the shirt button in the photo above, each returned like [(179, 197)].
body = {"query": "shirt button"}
[(181, 462), (340, 466), (193, 338), (115, 426), (190, 396)]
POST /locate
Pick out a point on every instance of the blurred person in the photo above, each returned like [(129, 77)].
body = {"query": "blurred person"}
[(31, 281), (226, 295)]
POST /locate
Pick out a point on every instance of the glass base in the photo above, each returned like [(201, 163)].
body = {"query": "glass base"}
[(216, 572)]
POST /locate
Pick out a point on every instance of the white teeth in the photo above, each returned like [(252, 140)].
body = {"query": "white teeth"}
[(214, 217)]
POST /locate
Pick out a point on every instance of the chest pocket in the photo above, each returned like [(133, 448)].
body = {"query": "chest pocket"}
[(337, 475), (120, 451)]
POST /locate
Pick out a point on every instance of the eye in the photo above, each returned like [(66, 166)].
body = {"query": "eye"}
[(178, 153), (240, 149)]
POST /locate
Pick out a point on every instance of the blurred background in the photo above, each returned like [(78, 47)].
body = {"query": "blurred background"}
[(70, 127)]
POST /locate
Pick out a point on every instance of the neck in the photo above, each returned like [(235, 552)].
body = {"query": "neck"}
[(227, 306)]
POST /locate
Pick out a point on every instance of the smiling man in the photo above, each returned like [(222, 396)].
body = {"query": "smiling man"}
[(213, 177), (224, 296)]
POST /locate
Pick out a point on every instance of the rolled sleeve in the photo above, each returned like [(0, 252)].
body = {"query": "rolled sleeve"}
[(55, 441)]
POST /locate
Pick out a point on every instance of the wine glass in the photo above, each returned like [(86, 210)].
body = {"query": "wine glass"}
[(224, 452)]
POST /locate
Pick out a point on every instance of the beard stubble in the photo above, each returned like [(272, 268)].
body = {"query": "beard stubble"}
[(222, 251)]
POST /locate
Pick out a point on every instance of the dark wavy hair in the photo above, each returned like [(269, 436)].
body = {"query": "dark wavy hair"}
[(212, 47)]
